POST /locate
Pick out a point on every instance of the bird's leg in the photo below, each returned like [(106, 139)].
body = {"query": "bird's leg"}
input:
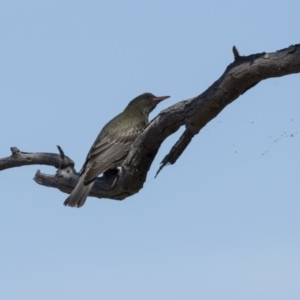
[(111, 176)]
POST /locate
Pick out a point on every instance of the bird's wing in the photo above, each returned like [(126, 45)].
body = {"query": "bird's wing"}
[(108, 152)]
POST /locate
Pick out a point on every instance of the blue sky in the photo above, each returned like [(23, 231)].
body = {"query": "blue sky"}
[(222, 223)]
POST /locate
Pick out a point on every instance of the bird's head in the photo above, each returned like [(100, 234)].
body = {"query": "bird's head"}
[(146, 102)]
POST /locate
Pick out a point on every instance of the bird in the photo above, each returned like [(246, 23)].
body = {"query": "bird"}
[(113, 144)]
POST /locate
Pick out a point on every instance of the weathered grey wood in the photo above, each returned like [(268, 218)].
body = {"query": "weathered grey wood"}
[(19, 159), (241, 75)]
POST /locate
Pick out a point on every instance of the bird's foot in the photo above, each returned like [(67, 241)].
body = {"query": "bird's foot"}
[(112, 176)]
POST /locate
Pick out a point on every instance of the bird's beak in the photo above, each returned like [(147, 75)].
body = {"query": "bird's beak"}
[(161, 98)]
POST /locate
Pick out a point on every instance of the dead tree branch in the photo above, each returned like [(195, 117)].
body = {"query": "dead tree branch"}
[(241, 75)]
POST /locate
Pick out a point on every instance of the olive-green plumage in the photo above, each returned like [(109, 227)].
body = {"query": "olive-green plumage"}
[(112, 144)]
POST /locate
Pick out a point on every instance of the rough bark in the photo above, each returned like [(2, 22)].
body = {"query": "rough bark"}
[(241, 75)]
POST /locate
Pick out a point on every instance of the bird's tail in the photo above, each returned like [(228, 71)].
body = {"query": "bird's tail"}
[(79, 194)]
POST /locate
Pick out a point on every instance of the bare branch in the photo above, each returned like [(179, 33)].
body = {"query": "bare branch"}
[(19, 159), (236, 53), (241, 75)]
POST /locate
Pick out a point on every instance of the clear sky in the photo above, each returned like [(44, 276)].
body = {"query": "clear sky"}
[(223, 223)]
